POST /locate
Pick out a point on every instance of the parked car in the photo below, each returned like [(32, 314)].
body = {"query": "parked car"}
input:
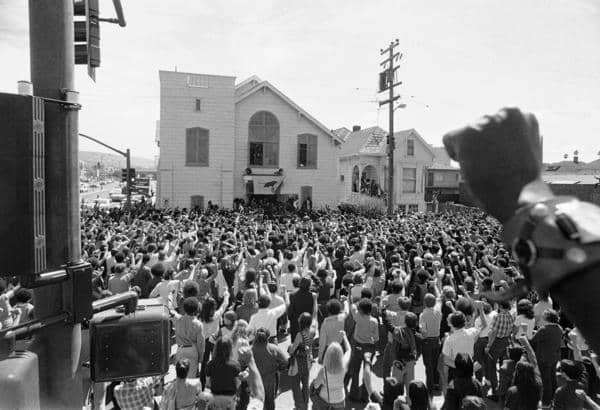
[(102, 203), (116, 195)]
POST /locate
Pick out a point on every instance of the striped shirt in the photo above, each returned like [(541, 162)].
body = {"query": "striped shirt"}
[(503, 323)]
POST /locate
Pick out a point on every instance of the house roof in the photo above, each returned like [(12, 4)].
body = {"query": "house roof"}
[(248, 80), (246, 84), (342, 133), (437, 166), (285, 98), (369, 141), (554, 178), (413, 133), (372, 141)]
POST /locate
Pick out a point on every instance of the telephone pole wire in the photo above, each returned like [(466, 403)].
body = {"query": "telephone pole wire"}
[(386, 82)]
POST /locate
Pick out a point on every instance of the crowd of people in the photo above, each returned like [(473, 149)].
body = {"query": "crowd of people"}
[(262, 292)]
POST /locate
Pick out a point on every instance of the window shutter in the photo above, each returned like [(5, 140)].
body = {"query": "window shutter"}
[(312, 151), (202, 148), (190, 146)]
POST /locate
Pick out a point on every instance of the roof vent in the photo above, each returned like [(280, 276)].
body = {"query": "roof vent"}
[(355, 128)]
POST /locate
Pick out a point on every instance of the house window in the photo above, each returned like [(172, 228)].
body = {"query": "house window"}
[(198, 105), (456, 175), (410, 148), (401, 208), (196, 147), (355, 178), (409, 180), (263, 139), (307, 151), (413, 208)]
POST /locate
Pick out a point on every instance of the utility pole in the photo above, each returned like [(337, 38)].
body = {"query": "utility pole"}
[(52, 74), (387, 83), (128, 182)]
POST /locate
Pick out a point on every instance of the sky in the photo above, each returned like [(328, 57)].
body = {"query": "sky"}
[(461, 59)]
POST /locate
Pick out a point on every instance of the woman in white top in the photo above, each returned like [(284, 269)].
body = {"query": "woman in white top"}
[(211, 321), (330, 379), (525, 320)]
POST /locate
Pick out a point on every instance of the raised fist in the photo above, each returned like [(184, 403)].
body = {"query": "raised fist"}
[(498, 155)]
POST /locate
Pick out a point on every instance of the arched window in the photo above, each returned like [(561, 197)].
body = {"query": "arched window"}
[(355, 179), (263, 140)]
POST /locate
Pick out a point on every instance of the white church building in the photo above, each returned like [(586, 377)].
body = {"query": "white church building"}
[(221, 141)]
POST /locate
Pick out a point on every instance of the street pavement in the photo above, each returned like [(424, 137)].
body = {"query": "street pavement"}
[(101, 192)]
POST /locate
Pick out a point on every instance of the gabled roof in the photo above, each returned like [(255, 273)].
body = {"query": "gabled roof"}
[(368, 141), (554, 178), (342, 133), (266, 84), (246, 84), (413, 133), (372, 141)]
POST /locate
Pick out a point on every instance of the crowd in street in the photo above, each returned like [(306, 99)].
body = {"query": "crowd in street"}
[(357, 297)]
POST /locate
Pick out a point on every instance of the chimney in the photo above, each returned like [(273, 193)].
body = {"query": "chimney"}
[(355, 128)]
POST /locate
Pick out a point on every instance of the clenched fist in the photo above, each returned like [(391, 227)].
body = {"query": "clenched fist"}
[(498, 155)]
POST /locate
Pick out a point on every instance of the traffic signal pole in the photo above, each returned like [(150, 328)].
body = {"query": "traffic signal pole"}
[(128, 182), (127, 155), (52, 74)]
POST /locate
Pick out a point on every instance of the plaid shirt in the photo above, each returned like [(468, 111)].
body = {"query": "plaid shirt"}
[(503, 324), (135, 395)]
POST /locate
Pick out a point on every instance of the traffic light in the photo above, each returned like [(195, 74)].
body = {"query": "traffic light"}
[(124, 174), (87, 35)]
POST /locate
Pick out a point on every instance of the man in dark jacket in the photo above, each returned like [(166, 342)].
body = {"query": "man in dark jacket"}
[(301, 301), (547, 343), (270, 360)]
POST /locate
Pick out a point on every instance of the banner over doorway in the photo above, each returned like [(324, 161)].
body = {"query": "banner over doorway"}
[(265, 184)]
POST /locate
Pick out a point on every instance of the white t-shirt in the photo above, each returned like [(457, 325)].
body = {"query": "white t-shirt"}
[(538, 310), (266, 318), (522, 322), (287, 279), (489, 318), (461, 341), (166, 290)]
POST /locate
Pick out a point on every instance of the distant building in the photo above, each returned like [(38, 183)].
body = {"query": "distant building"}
[(364, 166), (220, 141), (443, 183)]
